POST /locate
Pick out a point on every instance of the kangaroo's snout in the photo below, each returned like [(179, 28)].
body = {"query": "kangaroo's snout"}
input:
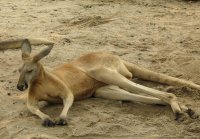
[(22, 87)]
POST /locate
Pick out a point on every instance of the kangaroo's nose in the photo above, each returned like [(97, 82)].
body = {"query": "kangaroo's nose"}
[(20, 87)]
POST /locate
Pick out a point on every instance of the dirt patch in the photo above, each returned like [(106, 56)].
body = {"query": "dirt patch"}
[(162, 35)]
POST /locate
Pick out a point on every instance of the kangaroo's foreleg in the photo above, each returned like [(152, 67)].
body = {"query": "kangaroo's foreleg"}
[(116, 93), (32, 105), (67, 101), (110, 76)]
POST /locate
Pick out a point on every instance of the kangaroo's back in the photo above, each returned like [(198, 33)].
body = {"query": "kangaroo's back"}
[(95, 59)]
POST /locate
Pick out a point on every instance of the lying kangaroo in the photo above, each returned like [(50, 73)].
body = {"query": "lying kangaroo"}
[(97, 74)]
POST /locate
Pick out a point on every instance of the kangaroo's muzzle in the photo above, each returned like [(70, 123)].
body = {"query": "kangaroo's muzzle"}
[(22, 87)]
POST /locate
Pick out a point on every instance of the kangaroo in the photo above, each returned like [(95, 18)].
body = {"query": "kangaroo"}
[(98, 74)]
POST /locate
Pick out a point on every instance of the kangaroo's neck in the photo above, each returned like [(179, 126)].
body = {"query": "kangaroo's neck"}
[(45, 79), (41, 75)]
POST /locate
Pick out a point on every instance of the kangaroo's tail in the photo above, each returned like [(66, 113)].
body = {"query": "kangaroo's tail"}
[(146, 74), (14, 44)]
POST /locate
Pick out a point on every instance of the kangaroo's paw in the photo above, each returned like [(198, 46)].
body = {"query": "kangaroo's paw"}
[(61, 122), (180, 117), (48, 123), (192, 114)]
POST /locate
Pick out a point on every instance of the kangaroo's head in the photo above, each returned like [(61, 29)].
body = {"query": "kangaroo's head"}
[(31, 68)]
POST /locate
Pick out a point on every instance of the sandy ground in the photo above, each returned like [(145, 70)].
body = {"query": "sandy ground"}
[(162, 35)]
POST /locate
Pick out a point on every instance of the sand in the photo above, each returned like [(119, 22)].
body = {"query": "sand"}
[(161, 35)]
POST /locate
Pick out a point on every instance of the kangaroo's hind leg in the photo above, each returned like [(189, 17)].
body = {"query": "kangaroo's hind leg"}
[(113, 77), (115, 93)]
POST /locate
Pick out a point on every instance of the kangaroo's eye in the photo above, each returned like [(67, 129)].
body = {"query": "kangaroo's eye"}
[(29, 71)]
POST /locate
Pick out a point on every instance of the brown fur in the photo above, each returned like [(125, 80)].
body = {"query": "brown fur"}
[(100, 74)]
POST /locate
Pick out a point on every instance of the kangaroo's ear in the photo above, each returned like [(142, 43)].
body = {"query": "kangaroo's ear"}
[(43, 53), (26, 48)]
